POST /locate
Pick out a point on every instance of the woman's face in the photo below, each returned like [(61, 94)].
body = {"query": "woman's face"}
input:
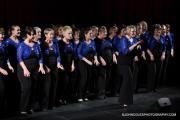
[(139, 29), (1, 36), (157, 32), (67, 34), (103, 34), (50, 35), (164, 29), (88, 36), (130, 32), (76, 35), (16, 31), (38, 33), (31, 36)]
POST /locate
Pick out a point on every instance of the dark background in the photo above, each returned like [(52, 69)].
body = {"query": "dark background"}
[(43, 13)]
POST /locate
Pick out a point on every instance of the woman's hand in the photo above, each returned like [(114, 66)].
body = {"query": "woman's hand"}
[(26, 72), (3, 71), (59, 66)]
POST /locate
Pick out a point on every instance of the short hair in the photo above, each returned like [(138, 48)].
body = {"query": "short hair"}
[(102, 29), (113, 29), (86, 30), (37, 28), (76, 30), (28, 30), (66, 28), (47, 30), (156, 27), (168, 25), (120, 28)]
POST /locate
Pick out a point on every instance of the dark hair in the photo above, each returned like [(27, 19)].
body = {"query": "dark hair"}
[(120, 28), (75, 30), (27, 31), (156, 27), (168, 25), (86, 30)]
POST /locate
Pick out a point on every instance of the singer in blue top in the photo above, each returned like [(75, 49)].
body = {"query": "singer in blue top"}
[(13, 91), (52, 61), (87, 56), (30, 63), (5, 69), (67, 60), (156, 51), (169, 41), (125, 48), (105, 56)]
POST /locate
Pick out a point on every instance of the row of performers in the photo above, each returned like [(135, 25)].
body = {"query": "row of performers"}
[(58, 68)]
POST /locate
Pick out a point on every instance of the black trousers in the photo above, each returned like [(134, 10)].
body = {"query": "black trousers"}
[(65, 81), (75, 79), (50, 82), (166, 71), (44, 89), (125, 75), (108, 78), (28, 84), (53, 86), (101, 81), (85, 77), (154, 74), (2, 94), (136, 76), (13, 91)]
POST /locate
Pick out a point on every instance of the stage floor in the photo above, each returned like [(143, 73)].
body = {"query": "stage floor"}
[(109, 109)]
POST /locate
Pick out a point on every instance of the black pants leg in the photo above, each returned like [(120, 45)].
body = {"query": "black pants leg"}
[(83, 68), (25, 89), (2, 93), (126, 92), (159, 81), (44, 90), (151, 76), (53, 87), (101, 81), (135, 75)]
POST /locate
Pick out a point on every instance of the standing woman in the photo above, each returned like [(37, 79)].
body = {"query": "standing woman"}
[(87, 56), (13, 85), (5, 66), (124, 59), (76, 75), (156, 51), (52, 61), (67, 60), (105, 56), (30, 63), (169, 41)]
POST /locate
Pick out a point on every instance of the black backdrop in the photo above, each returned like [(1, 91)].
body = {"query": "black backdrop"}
[(89, 12)]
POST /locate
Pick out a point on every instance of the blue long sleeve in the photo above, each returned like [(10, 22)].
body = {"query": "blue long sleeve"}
[(84, 48), (24, 52)]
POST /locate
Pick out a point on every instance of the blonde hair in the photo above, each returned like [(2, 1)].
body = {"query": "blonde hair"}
[(128, 28), (65, 28)]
